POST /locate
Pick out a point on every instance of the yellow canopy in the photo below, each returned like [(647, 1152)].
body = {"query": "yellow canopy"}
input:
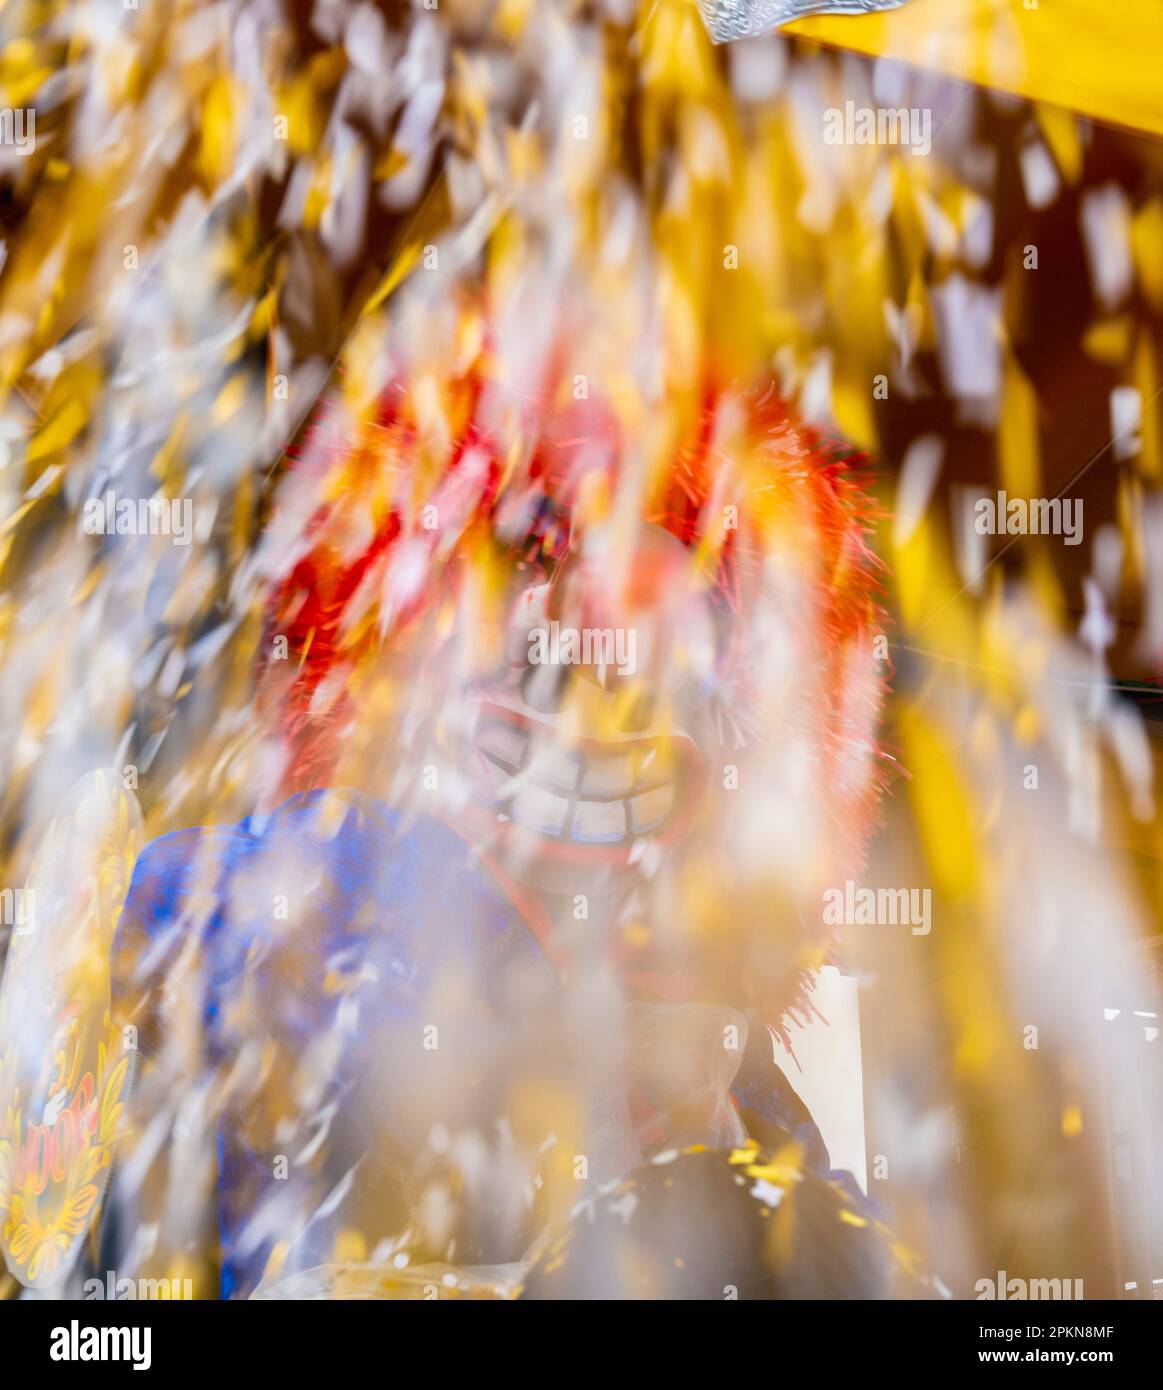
[(1101, 60)]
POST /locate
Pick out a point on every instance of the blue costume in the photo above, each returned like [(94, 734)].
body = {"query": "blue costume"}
[(323, 926)]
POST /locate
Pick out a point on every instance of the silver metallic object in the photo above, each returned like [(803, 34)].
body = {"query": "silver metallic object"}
[(739, 19)]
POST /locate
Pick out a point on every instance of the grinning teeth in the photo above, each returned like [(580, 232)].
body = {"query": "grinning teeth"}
[(541, 809), (550, 766), (535, 783), (608, 775), (651, 809), (599, 820), (503, 742)]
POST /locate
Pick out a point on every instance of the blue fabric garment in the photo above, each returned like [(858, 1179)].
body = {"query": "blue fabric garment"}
[(371, 878), (367, 895), (334, 887)]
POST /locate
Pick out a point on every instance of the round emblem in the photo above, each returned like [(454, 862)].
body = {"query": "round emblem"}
[(66, 1067)]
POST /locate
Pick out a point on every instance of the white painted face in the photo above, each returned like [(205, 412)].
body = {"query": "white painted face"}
[(581, 759)]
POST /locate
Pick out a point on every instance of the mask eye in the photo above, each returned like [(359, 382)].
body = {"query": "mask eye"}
[(636, 711), (543, 688)]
